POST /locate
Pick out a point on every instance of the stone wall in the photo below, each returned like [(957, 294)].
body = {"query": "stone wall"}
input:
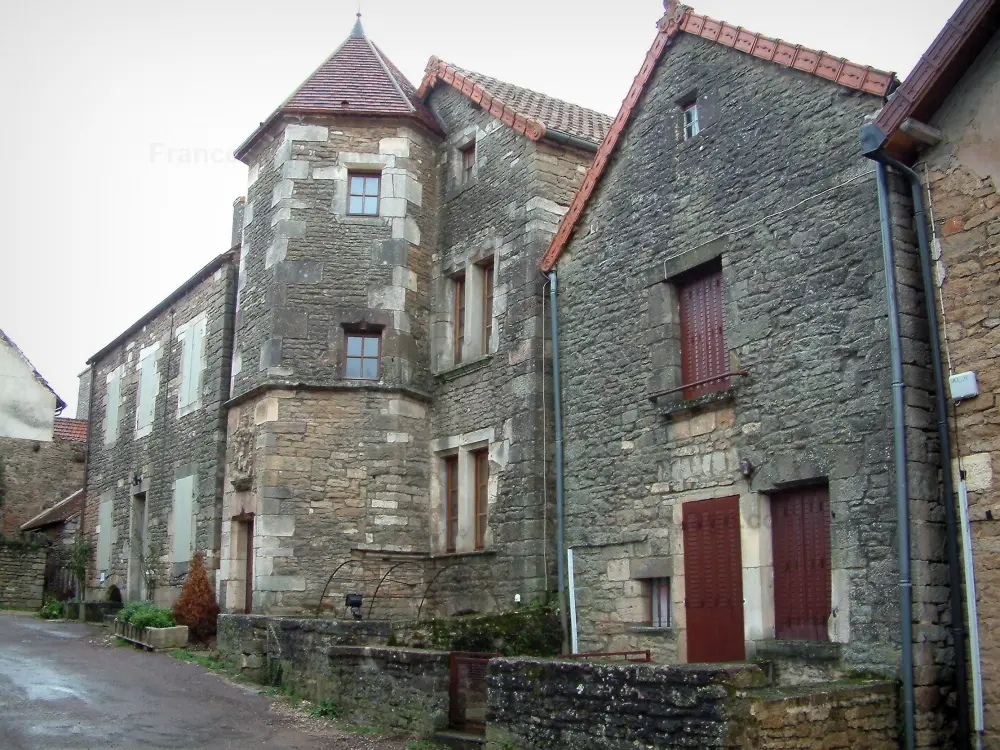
[(774, 191), (22, 576), (179, 452), (323, 659), (963, 176), (37, 474)]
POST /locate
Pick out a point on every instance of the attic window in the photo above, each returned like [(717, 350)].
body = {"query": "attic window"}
[(468, 166), (689, 113), (363, 199)]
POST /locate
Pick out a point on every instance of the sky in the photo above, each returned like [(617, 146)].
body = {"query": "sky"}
[(122, 117)]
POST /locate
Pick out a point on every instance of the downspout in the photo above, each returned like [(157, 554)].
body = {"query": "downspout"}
[(872, 139), (560, 497), (899, 455)]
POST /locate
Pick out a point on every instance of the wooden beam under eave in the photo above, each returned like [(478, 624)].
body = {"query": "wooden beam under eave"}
[(921, 132)]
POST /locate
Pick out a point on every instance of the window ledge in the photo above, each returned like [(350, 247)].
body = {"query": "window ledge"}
[(651, 630), (808, 650), (470, 553), (463, 369), (709, 400)]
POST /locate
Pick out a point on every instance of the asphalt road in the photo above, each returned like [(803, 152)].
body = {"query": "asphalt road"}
[(66, 685)]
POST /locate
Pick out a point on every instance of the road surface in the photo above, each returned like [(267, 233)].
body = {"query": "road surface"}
[(66, 685)]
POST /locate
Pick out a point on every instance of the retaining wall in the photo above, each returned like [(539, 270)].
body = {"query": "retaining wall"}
[(22, 576)]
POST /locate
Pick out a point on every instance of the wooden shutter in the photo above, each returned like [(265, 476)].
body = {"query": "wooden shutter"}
[(800, 534), (482, 459), (704, 359), (458, 318), (451, 502), (114, 399)]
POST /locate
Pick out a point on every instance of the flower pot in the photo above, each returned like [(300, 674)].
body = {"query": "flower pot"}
[(152, 638)]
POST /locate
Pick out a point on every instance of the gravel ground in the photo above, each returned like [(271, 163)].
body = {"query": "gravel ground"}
[(67, 685)]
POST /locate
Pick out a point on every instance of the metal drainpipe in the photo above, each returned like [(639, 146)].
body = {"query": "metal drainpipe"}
[(872, 139), (899, 453), (557, 409)]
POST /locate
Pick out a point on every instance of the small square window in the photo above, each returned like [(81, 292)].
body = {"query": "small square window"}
[(659, 602), (690, 115), (364, 192), (468, 163), (363, 355)]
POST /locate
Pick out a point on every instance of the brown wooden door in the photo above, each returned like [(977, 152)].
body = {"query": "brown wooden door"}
[(248, 603), (713, 580), (800, 537)]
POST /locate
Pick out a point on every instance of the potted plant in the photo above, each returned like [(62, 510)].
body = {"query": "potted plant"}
[(149, 626)]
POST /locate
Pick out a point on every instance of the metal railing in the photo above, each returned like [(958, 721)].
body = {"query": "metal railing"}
[(696, 383), (632, 656)]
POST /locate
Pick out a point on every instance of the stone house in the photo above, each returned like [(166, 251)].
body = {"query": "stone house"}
[(41, 454), (944, 123), (371, 378), (157, 438), (726, 374)]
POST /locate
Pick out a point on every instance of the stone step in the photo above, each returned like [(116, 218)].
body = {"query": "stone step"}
[(460, 740)]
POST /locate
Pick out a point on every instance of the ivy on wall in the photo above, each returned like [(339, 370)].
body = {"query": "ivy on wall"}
[(531, 630)]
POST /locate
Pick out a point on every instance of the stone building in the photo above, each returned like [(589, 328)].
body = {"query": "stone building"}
[(157, 438), (729, 483), (945, 123), (41, 454), (373, 369)]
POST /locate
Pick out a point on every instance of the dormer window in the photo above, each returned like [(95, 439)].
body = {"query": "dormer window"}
[(468, 163), (363, 198), (689, 112)]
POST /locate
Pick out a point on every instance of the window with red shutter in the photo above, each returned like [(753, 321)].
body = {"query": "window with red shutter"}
[(451, 502), (704, 359)]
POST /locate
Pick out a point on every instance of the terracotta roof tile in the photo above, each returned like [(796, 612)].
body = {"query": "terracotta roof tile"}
[(61, 511), (680, 18), (70, 429), (529, 112)]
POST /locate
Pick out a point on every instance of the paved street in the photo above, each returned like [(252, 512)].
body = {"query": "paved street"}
[(63, 685)]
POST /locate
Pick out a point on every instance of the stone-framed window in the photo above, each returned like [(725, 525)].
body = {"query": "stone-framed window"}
[(464, 482), (105, 530), (184, 517), (467, 169), (689, 119), (660, 607), (113, 405), (149, 386), (363, 189), (191, 335), (704, 357), (486, 296), (362, 355), (471, 316), (458, 317)]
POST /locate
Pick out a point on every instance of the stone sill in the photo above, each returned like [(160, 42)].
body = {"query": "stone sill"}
[(709, 400), (807, 650), (465, 368), (342, 385), (472, 553), (650, 630)]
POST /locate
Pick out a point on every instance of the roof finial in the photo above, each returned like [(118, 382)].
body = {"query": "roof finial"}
[(358, 30)]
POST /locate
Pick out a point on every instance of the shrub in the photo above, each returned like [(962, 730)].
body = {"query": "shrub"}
[(196, 606), (146, 615), (52, 609)]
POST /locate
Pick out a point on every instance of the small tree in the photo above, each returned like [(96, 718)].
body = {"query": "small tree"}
[(196, 606)]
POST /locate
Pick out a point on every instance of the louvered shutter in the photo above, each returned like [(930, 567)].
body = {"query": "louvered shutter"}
[(800, 533), (704, 360)]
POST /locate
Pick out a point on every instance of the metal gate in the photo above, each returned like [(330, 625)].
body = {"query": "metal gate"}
[(800, 533), (468, 691), (713, 580)]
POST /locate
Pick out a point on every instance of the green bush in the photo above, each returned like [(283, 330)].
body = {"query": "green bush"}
[(52, 609), (531, 630), (146, 615)]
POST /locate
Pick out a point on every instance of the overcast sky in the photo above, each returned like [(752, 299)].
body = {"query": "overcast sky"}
[(122, 116)]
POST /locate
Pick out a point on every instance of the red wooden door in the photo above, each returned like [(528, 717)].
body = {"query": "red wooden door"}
[(713, 580), (800, 536)]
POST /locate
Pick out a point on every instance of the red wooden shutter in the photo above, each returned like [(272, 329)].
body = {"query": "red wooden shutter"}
[(703, 342), (482, 460), (451, 502), (800, 534)]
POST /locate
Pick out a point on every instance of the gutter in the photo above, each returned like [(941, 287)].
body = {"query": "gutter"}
[(560, 490), (567, 139), (873, 140)]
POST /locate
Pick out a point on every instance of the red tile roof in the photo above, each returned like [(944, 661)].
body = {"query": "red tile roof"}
[(680, 18), (61, 511), (357, 79), (528, 112), (70, 429), (944, 63)]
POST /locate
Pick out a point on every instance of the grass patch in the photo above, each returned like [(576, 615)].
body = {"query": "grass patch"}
[(202, 659), (424, 745)]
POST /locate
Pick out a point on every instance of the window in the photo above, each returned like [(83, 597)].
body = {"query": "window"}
[(468, 166), (363, 199), (704, 360), (481, 460), (184, 519), (659, 602), (105, 530), (363, 355), (113, 404), (487, 269), (192, 364), (689, 112), (145, 407), (451, 502), (458, 318)]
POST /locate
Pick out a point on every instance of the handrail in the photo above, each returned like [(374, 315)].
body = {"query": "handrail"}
[(601, 654), (703, 381)]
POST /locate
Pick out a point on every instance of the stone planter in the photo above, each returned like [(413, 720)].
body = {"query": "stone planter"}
[(152, 638)]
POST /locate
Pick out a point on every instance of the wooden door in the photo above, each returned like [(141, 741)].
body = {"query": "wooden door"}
[(713, 580), (800, 537), (248, 603)]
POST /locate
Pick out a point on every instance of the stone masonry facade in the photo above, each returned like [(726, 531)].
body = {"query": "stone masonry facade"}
[(37, 475), (773, 192), (963, 174), (22, 576), (157, 438)]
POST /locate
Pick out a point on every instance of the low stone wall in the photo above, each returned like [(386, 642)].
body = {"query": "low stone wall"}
[(22, 576), (342, 661)]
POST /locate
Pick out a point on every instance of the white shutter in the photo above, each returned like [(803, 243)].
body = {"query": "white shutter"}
[(184, 521), (105, 519), (114, 397), (146, 406), (192, 364)]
